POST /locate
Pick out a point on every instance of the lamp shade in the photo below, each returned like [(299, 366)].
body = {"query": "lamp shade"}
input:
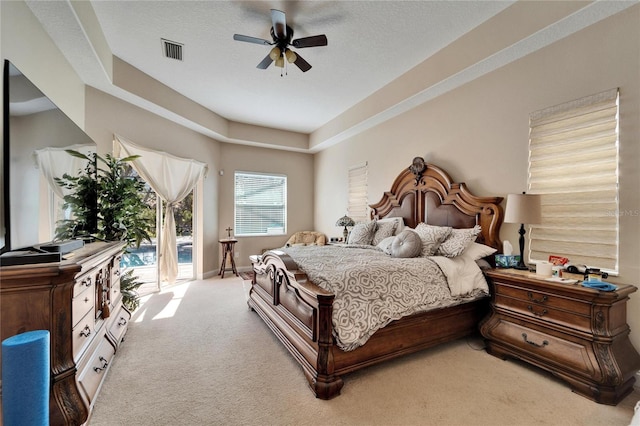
[(345, 221), (523, 208)]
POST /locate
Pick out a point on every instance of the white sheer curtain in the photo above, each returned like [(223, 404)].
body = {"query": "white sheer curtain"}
[(172, 178), (54, 162)]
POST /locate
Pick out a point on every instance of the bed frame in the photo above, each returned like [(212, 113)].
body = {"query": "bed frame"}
[(299, 312)]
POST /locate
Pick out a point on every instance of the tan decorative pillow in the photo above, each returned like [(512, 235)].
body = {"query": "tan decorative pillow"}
[(432, 237), (457, 241), (382, 231), (362, 233)]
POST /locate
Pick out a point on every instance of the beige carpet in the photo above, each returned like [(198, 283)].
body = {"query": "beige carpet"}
[(195, 355)]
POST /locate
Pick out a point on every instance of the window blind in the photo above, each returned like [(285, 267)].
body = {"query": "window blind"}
[(358, 194), (573, 164), (260, 204)]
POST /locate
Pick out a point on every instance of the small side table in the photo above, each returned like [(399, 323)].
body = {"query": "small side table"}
[(227, 245)]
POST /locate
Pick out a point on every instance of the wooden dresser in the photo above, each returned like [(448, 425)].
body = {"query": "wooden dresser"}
[(578, 334), (79, 301)]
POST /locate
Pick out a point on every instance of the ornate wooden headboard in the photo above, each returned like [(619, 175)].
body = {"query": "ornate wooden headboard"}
[(425, 193)]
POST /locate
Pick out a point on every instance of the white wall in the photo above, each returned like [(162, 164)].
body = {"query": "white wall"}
[(479, 132)]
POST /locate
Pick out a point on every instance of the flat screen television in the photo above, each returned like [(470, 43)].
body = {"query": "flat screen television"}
[(33, 125)]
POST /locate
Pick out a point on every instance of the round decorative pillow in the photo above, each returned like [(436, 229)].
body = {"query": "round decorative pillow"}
[(406, 244)]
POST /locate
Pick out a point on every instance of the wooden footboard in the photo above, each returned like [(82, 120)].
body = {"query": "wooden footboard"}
[(299, 313)]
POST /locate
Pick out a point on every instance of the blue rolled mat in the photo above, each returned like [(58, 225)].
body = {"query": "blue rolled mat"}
[(25, 379)]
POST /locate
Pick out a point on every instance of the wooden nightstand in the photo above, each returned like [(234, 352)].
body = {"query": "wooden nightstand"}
[(578, 334)]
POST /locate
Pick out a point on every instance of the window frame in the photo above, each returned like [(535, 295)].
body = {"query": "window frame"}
[(239, 230)]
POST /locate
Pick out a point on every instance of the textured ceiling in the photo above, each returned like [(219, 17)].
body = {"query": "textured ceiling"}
[(370, 43)]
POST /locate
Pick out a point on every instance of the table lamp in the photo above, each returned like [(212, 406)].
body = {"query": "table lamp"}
[(522, 208), (345, 221)]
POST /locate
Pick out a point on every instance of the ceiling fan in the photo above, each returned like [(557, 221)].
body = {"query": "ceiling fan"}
[(282, 35)]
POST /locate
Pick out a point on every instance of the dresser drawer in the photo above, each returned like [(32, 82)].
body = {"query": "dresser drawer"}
[(83, 283), (551, 350), (94, 371), (115, 292), (544, 312), (83, 303), (82, 334), (119, 324), (531, 295)]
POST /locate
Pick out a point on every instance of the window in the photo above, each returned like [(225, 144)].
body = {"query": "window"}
[(358, 208), (260, 204), (573, 164)]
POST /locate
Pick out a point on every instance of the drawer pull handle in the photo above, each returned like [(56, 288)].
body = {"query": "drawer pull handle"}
[(538, 314), (105, 363), (116, 273), (87, 282), (544, 342), (86, 331), (86, 299), (122, 321), (533, 299)]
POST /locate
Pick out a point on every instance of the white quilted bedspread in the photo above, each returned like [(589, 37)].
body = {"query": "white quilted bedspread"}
[(372, 289)]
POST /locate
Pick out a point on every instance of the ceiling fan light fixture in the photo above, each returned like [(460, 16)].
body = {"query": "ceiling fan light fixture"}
[(275, 53), (291, 57), (280, 62)]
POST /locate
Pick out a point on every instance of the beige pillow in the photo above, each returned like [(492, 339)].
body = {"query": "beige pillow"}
[(432, 237), (362, 233), (382, 231), (457, 241)]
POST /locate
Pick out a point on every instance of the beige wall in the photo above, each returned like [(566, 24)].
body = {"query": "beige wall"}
[(479, 132), (299, 171), (107, 115)]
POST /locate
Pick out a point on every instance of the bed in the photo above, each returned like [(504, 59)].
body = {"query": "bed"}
[(300, 312)]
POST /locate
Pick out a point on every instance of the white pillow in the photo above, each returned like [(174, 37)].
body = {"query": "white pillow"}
[(385, 245), (477, 251)]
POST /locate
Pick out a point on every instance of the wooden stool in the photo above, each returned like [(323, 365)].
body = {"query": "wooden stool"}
[(227, 248)]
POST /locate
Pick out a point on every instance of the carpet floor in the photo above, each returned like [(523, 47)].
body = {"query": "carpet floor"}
[(196, 355)]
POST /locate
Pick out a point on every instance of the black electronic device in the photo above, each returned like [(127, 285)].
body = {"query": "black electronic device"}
[(28, 256), (62, 247)]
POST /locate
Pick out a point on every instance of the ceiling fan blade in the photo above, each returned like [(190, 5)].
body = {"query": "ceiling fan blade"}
[(265, 63), (319, 40), (240, 37), (302, 64), (279, 23)]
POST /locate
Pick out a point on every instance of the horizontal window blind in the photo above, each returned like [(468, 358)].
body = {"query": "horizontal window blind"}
[(260, 204), (573, 164), (358, 193)]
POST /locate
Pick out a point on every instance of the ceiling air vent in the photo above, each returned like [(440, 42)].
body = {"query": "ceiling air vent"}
[(171, 49)]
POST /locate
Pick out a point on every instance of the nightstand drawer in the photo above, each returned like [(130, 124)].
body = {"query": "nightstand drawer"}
[(531, 295), (550, 349), (544, 312)]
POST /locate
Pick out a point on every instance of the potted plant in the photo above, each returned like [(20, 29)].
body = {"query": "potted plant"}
[(106, 202)]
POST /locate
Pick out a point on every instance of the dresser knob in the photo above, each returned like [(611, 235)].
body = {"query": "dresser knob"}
[(122, 321)]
